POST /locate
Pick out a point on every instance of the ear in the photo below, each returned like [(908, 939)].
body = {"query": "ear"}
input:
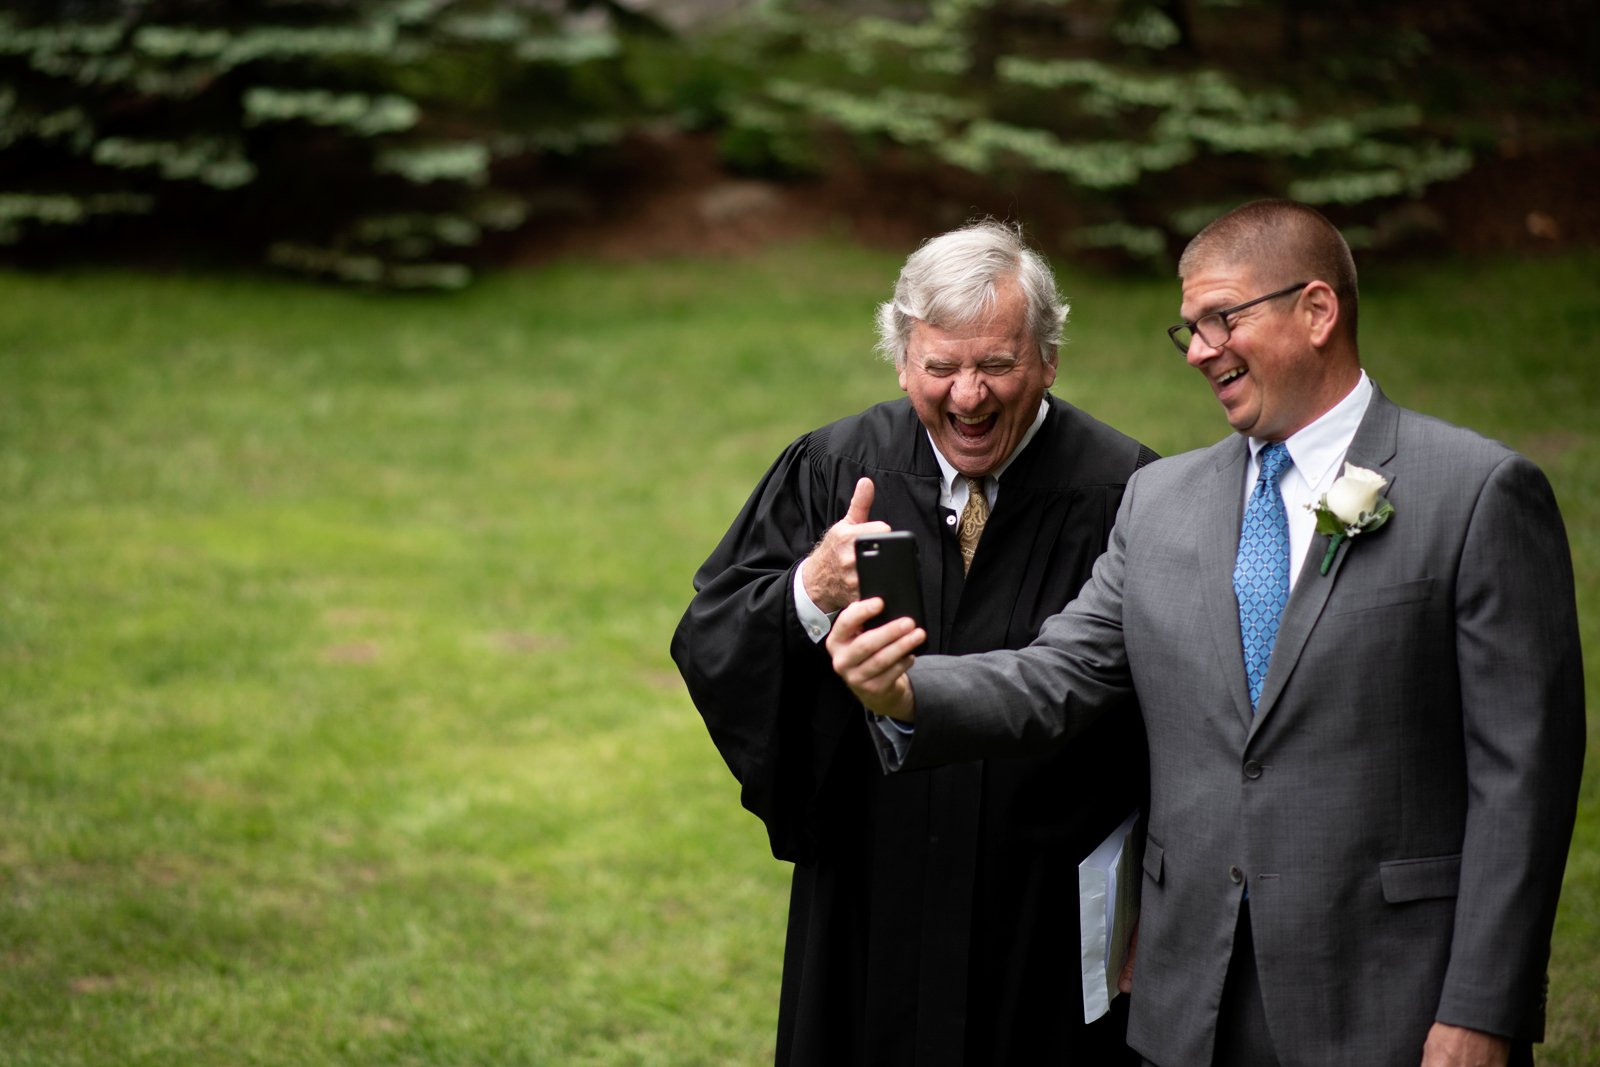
[(1320, 304), (1050, 365), (901, 370)]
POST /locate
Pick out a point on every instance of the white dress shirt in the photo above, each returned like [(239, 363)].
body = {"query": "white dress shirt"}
[(1317, 454)]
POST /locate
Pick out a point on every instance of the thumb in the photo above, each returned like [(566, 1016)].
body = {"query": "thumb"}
[(860, 503)]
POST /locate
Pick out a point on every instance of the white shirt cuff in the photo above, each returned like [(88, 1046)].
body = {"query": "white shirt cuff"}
[(898, 734), (816, 621)]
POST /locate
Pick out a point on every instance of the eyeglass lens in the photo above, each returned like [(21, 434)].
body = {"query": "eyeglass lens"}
[(1213, 329)]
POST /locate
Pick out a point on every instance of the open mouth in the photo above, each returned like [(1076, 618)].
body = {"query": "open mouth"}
[(973, 428), (1228, 378)]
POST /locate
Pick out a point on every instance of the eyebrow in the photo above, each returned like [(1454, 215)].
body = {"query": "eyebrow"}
[(1207, 309), (1213, 308), (998, 354)]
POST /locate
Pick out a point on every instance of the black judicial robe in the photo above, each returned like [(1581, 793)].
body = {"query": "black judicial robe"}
[(933, 915)]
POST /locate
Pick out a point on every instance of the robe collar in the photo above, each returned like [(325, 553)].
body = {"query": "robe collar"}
[(953, 486)]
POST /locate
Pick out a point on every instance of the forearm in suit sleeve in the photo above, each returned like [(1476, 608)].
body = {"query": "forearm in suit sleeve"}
[(1009, 703), (1523, 724)]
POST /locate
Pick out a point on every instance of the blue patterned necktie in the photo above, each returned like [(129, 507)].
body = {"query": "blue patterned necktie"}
[(1261, 575)]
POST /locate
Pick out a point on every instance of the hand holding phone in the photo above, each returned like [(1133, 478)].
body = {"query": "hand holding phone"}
[(886, 566)]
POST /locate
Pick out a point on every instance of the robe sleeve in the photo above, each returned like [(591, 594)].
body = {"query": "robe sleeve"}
[(768, 695)]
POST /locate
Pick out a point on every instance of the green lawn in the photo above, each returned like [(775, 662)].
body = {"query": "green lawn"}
[(336, 718)]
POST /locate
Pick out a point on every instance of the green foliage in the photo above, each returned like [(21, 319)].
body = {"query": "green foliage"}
[(360, 113), (299, 131), (1141, 113)]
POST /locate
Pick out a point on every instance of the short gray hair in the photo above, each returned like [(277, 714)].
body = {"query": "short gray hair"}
[(954, 278), (1281, 242)]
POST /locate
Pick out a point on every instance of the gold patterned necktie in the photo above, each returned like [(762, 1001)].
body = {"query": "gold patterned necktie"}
[(973, 517)]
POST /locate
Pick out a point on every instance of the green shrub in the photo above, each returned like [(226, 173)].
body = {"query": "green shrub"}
[(362, 141), (1145, 114)]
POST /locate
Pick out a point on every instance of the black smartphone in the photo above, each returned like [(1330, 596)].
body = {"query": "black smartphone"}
[(886, 565)]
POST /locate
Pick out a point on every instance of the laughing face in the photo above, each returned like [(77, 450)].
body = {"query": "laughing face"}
[(977, 387), (1269, 375)]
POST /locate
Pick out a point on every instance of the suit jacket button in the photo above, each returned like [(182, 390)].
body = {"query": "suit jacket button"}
[(1252, 769), (1235, 875)]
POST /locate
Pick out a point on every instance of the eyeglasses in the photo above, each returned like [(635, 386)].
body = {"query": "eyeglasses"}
[(1213, 327)]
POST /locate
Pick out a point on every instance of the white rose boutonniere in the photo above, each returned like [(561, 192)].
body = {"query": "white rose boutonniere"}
[(1352, 505)]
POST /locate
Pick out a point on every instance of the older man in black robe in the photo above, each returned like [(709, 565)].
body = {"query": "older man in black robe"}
[(933, 916)]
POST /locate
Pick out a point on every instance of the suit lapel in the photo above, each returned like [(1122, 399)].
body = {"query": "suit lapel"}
[(1219, 549), (1373, 446)]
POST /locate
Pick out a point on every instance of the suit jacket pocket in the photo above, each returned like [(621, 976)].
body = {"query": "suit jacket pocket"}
[(1421, 879), (1152, 859), (1382, 597)]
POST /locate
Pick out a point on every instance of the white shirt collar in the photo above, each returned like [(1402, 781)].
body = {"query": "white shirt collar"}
[(1315, 452), (953, 487), (1316, 448)]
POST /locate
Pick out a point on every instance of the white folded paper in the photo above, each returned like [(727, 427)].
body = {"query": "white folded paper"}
[(1108, 910)]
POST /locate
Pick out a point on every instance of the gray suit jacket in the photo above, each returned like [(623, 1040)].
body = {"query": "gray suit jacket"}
[(1400, 805)]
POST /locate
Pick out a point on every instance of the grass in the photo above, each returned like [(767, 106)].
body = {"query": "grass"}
[(336, 718)]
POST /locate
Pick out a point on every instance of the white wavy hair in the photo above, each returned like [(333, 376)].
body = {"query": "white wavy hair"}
[(952, 279)]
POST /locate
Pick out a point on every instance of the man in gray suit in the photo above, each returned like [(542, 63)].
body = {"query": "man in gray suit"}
[(1366, 726)]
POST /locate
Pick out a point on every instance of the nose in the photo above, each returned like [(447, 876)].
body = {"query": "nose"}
[(1200, 350), (969, 389)]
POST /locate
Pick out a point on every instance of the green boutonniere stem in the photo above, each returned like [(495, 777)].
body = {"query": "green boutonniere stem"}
[(1337, 531), (1334, 541)]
